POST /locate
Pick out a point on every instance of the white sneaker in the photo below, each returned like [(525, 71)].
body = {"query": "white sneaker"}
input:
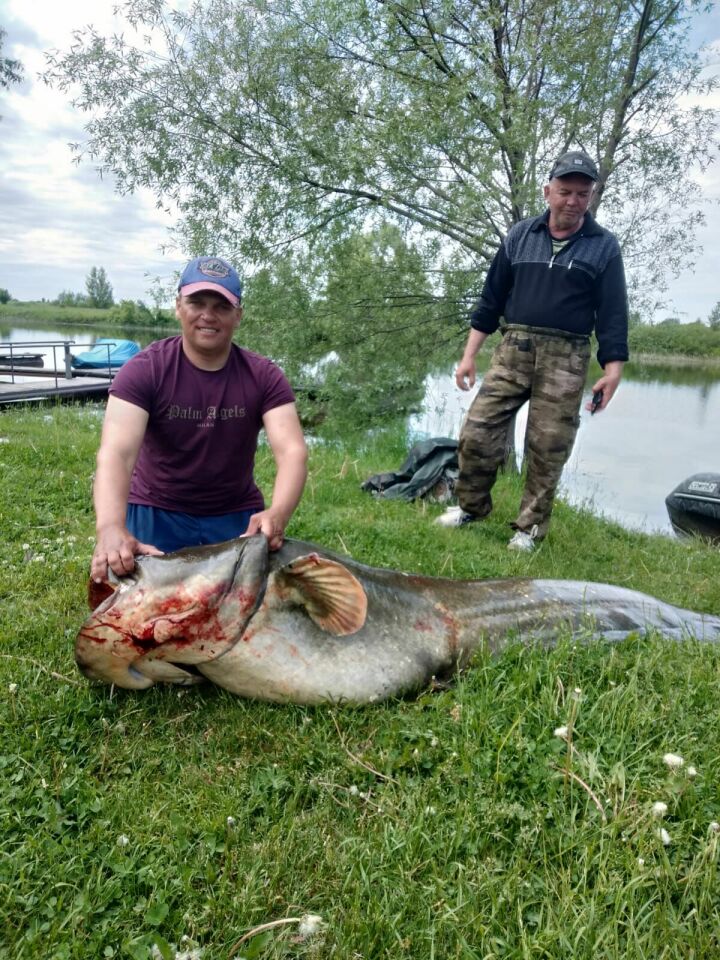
[(454, 517), (524, 541)]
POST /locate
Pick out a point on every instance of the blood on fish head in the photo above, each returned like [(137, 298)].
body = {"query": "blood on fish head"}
[(186, 607)]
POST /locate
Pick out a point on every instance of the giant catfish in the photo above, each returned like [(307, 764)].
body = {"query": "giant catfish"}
[(306, 625)]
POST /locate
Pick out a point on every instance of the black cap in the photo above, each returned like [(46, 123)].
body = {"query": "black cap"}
[(576, 161)]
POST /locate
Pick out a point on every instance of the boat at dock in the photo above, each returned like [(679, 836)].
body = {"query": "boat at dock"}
[(21, 360), (106, 354)]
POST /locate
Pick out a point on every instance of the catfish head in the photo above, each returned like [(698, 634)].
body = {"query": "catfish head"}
[(187, 607)]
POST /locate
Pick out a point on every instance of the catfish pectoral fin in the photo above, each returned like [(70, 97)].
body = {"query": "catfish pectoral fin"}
[(330, 594)]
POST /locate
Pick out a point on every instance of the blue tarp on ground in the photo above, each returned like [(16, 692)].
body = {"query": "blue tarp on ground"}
[(106, 353)]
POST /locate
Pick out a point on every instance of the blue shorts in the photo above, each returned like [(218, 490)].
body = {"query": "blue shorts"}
[(170, 530)]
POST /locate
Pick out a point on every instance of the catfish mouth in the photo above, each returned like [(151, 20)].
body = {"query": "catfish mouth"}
[(172, 612)]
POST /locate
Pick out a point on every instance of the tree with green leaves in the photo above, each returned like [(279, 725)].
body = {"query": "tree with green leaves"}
[(714, 317), (99, 290), (10, 70), (5, 295), (346, 327), (285, 123)]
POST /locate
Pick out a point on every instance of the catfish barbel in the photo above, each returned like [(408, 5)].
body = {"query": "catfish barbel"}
[(306, 625)]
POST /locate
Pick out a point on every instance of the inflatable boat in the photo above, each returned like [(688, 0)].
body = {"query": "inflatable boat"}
[(694, 506), (106, 353)]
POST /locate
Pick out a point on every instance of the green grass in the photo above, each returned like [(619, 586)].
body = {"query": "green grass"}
[(127, 313), (454, 825)]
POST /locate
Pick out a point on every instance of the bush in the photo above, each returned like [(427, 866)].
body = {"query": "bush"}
[(683, 339)]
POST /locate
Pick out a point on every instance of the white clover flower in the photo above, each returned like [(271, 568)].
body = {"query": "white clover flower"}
[(691, 772), (26, 546), (122, 840), (353, 790), (310, 924), (91, 539), (659, 809), (43, 783), (48, 418), (4, 440), (673, 760), (194, 954), (39, 558), (12, 688), (430, 811), (714, 827), (561, 732), (231, 822), (641, 862), (664, 836), (434, 742)]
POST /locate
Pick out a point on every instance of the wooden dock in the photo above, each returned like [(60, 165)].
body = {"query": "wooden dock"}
[(52, 388), (20, 384)]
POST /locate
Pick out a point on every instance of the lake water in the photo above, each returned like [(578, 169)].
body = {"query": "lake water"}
[(662, 426)]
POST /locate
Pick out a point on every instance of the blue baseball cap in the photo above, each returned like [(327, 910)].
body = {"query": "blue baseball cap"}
[(211, 273)]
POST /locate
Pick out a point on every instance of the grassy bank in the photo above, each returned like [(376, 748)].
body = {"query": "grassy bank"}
[(452, 825), (127, 313)]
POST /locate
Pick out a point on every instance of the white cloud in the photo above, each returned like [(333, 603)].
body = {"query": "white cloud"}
[(58, 219)]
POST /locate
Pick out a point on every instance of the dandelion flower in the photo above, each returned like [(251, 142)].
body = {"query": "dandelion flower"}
[(673, 760), (561, 732), (664, 836), (310, 924), (691, 772), (659, 809)]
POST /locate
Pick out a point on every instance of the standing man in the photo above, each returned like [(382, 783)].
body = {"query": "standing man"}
[(175, 464), (554, 279)]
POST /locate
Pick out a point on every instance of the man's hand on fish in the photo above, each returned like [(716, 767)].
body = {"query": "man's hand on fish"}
[(117, 548), (271, 523)]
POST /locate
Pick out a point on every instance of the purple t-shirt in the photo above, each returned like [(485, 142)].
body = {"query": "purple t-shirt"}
[(198, 453)]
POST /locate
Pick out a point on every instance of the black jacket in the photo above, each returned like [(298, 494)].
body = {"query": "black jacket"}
[(581, 289)]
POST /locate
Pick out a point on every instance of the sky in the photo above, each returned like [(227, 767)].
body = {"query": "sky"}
[(58, 219)]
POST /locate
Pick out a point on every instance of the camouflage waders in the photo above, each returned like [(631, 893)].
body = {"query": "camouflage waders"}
[(547, 367)]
